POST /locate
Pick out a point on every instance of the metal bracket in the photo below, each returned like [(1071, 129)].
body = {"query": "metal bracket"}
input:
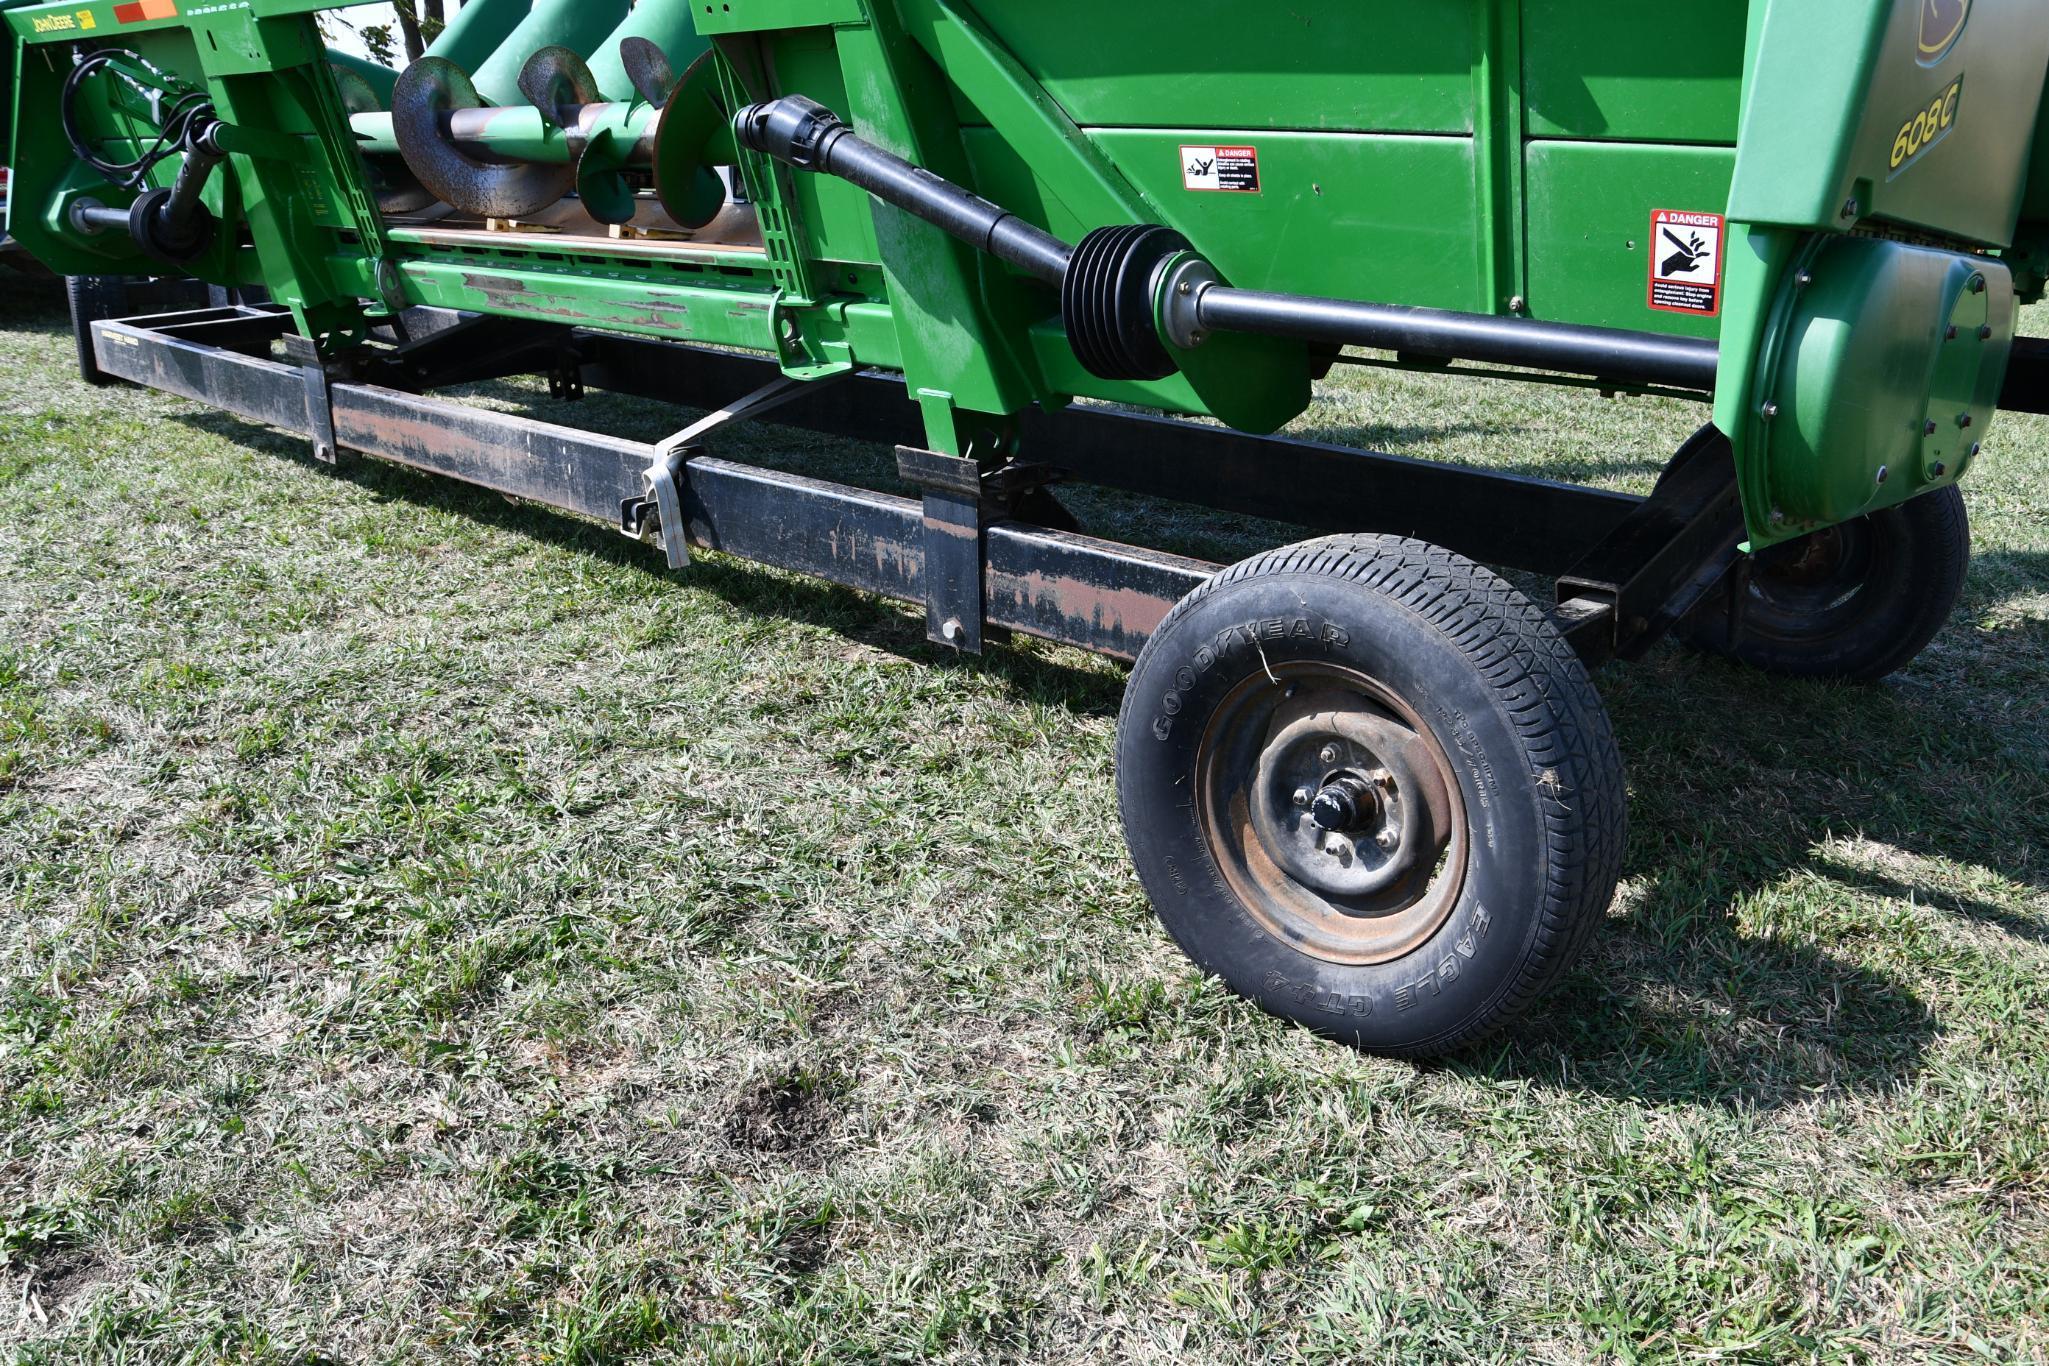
[(1662, 559), (565, 381), (319, 401), (961, 503), (660, 508)]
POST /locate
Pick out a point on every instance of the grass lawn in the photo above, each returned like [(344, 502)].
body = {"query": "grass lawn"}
[(431, 931)]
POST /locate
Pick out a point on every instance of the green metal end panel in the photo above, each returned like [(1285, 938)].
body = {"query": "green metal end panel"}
[(1911, 111)]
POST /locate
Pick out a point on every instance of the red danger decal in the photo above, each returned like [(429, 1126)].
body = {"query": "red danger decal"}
[(1686, 262), (1232, 170)]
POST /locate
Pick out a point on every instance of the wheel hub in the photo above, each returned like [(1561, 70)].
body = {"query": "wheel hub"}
[(1339, 815), (1377, 808), (1349, 804)]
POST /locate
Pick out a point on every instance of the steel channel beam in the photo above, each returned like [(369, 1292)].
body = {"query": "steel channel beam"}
[(1494, 517), (1076, 590)]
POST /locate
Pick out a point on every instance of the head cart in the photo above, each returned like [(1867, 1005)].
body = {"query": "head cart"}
[(1364, 779)]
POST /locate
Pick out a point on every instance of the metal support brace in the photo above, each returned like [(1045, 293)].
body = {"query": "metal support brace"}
[(961, 503), (660, 508), (1660, 561), (319, 401)]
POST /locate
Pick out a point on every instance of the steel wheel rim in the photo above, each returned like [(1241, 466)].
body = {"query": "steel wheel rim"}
[(1818, 584), (1373, 892)]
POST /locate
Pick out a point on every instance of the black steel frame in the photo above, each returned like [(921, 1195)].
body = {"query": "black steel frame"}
[(1627, 567)]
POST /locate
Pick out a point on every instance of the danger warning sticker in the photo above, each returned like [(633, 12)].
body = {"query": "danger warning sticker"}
[(1686, 262), (1234, 170)]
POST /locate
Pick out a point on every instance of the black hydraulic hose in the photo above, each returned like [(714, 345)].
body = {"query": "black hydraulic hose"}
[(808, 135), (1635, 358)]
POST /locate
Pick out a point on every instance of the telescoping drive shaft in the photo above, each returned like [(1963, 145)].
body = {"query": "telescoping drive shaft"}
[(1118, 319)]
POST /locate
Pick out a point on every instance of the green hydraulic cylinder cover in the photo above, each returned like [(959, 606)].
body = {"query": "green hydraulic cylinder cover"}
[(579, 25), (666, 24), (477, 30)]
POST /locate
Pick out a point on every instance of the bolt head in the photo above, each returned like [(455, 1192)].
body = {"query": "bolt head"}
[(1804, 279), (1964, 421), (951, 629), (1303, 796), (1518, 304), (1937, 470), (1931, 429), (1975, 448), (1985, 332), (1977, 284), (1884, 473), (1186, 288), (1769, 411), (1331, 754), (1851, 208), (1951, 334)]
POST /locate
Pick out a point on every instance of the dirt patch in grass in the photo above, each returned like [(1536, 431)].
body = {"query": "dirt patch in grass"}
[(789, 1113)]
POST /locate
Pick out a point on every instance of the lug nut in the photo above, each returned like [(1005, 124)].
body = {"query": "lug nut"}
[(1330, 755), (1303, 796), (1387, 840)]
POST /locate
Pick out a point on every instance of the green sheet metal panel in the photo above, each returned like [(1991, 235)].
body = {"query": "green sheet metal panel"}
[(1589, 227), (836, 220), (1631, 71), (1383, 218), (1835, 95), (1309, 64)]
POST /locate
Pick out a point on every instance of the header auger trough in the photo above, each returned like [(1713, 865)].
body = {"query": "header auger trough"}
[(1364, 780)]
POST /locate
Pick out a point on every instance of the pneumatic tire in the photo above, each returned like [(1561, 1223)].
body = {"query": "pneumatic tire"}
[(1367, 783), (94, 298), (1853, 603)]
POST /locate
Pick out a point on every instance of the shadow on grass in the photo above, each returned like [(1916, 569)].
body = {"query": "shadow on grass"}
[(1738, 780)]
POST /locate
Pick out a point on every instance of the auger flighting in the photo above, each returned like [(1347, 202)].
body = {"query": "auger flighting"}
[(566, 97)]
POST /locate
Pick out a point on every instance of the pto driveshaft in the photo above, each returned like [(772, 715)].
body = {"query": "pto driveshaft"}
[(1117, 311)]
